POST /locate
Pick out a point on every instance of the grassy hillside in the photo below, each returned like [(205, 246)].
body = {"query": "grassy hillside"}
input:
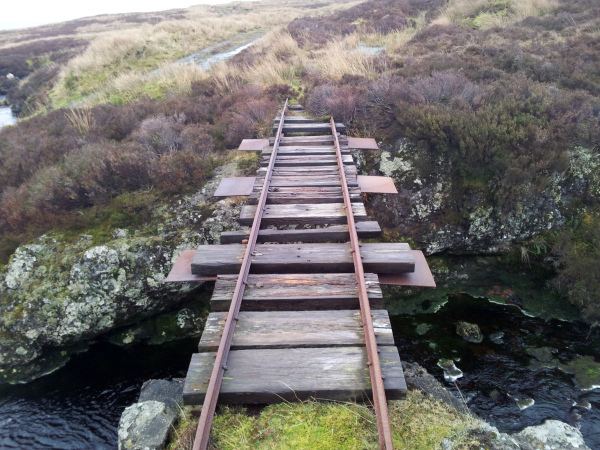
[(120, 58)]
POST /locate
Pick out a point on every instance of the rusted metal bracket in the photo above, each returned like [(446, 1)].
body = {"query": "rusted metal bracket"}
[(421, 277), (357, 143), (253, 145), (234, 186), (370, 184), (181, 272)]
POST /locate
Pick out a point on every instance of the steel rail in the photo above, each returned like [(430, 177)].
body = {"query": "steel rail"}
[(220, 365), (379, 399)]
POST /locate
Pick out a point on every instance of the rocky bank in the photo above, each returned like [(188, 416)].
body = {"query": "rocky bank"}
[(425, 211), (58, 294)]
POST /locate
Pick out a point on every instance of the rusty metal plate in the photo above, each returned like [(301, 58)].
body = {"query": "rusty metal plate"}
[(182, 270), (230, 187), (253, 145), (376, 185), (362, 143), (421, 277)]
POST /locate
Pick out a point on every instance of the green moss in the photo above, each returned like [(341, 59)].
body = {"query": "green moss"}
[(418, 423), (247, 163), (585, 370), (129, 210)]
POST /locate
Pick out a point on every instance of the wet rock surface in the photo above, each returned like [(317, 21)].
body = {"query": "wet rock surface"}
[(148, 423), (417, 377), (470, 332), (551, 435), (145, 426)]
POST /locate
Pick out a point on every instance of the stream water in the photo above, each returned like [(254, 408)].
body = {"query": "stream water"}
[(525, 370), (209, 56), (6, 115)]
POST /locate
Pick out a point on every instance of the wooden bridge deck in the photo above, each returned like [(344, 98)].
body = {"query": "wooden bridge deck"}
[(299, 332)]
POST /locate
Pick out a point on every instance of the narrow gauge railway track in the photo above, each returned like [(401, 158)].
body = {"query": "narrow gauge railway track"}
[(290, 303)]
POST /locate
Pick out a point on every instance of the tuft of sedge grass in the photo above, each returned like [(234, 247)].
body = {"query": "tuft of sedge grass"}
[(483, 14), (418, 423)]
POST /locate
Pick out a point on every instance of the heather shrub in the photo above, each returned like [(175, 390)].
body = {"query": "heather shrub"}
[(197, 139), (250, 118), (116, 123), (447, 87), (160, 133), (375, 16), (177, 172), (342, 102)]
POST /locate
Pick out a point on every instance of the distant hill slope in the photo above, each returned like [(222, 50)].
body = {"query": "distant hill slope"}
[(111, 58)]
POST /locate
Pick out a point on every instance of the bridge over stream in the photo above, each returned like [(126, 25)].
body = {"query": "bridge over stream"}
[(297, 307)]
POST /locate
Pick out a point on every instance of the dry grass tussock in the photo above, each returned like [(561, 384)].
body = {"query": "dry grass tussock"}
[(275, 59), (278, 59), (484, 14)]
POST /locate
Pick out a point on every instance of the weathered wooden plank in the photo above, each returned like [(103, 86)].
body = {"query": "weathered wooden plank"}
[(336, 233), (181, 272), (421, 276), (362, 143), (230, 187), (322, 127), (278, 181), (297, 119), (253, 145), (325, 139), (307, 213), (308, 171), (293, 329), (302, 150), (303, 258), (305, 194), (376, 184), (292, 160), (296, 292), (275, 375)]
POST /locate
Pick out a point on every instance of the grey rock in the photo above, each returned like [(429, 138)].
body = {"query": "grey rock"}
[(490, 438), (145, 426), (417, 377), (470, 332), (168, 392), (551, 435)]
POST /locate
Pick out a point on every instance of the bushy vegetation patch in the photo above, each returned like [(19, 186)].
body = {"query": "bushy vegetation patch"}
[(374, 16), (56, 166)]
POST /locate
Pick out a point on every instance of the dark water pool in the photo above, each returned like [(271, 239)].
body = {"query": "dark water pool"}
[(502, 372), (78, 407)]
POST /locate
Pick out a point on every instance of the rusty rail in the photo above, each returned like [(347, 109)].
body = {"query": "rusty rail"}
[(379, 399), (220, 365)]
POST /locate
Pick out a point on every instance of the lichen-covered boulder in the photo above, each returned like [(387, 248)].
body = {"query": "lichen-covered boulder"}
[(551, 435), (145, 426), (57, 294)]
